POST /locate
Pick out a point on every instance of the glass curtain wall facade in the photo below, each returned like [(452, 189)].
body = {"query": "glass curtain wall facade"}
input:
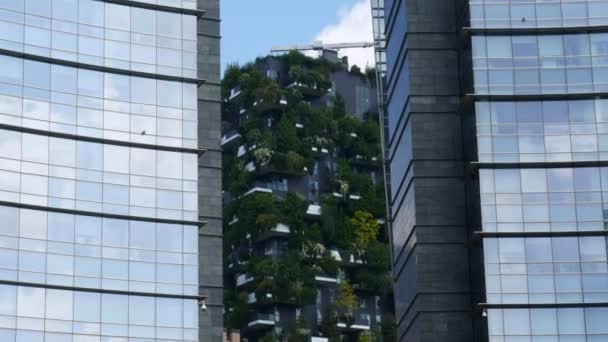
[(540, 79), (99, 164)]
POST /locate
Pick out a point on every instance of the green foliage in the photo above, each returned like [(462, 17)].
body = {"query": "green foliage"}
[(347, 302), (270, 337), (257, 213), (365, 229), (268, 91), (286, 134), (329, 323), (338, 106), (231, 79), (295, 162), (235, 178), (287, 278), (365, 337), (329, 264), (346, 225), (240, 313)]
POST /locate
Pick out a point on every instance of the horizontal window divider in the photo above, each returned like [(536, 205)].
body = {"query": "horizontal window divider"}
[(94, 67), (130, 3), (102, 291), (588, 233), (483, 306), (514, 31), (199, 224), (534, 97), (539, 165), (101, 140)]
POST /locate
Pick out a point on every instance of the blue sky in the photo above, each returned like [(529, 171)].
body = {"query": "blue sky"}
[(250, 28)]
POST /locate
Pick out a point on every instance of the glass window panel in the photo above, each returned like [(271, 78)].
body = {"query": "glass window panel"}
[(571, 321), (117, 87), (586, 179), (10, 221), (62, 188), (142, 235), (565, 249), (61, 227), (90, 83), (36, 74), (87, 267), (143, 90), (60, 264), (32, 224), (525, 46), (88, 230), (169, 24), (116, 158), (593, 248), (30, 302), (65, 9), (538, 250), (512, 250), (114, 309), (63, 152), (116, 232), (10, 144), (91, 12), (534, 180), (59, 304), (168, 312), (89, 155), (88, 191), (118, 17), (87, 306), (576, 45), (169, 94), (596, 320), (517, 321), (115, 269), (37, 36), (543, 321), (169, 165), (508, 181), (12, 70), (560, 180), (143, 20), (142, 197), (35, 150), (169, 237), (8, 300), (551, 46), (142, 310), (190, 239), (499, 47), (143, 162)]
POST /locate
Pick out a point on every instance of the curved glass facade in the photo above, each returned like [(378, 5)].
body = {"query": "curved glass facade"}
[(98, 171), (546, 271), (101, 33)]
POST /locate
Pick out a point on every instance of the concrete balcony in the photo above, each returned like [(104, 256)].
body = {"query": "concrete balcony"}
[(314, 210), (243, 279), (262, 321), (234, 94)]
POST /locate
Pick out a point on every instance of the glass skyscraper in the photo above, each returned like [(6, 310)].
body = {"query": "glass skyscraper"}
[(498, 156), (99, 171), (540, 72)]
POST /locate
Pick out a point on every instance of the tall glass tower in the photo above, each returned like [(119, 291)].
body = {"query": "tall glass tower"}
[(99, 168), (540, 80), (497, 146)]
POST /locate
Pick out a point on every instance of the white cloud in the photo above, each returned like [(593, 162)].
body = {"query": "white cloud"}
[(354, 25)]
